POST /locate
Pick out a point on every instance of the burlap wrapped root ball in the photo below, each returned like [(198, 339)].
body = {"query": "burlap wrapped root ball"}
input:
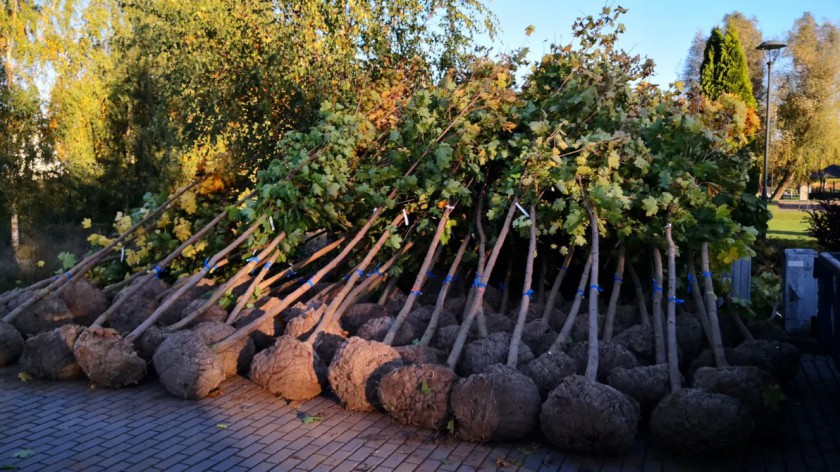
[(639, 340), (418, 395), (149, 341), (84, 300), (290, 369), (589, 417), (733, 357), (648, 385), (539, 336), (213, 313), (755, 388), (11, 344), (417, 354), (694, 422), (134, 311), (265, 332), (187, 367), (501, 404), (108, 359), (690, 338), (235, 358), (782, 358), (45, 315), (50, 356), (356, 370), (483, 353), (611, 355), (548, 370)]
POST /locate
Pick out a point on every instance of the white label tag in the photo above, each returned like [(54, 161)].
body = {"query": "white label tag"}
[(522, 210), (405, 216), (271, 222)]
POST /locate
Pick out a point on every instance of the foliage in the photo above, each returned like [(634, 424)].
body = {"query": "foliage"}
[(824, 225), (724, 68)]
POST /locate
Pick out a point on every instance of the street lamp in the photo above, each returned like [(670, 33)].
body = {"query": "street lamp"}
[(771, 53)]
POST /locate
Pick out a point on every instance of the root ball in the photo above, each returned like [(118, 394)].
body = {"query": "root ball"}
[(290, 369), (49, 355), (418, 395), (548, 370), (108, 359), (11, 344), (187, 367), (610, 356), (648, 385), (356, 370), (237, 357)]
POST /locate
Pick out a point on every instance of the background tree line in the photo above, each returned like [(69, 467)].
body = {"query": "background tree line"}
[(805, 114), (102, 101)]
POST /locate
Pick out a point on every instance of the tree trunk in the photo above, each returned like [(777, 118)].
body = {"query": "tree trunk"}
[(640, 296), (555, 287), (609, 322), (506, 286), (419, 280), (697, 295), (658, 335), (711, 307), (475, 303), (453, 269), (673, 361), (780, 190), (540, 282), (573, 311), (736, 318), (527, 292), (592, 356), (24, 262)]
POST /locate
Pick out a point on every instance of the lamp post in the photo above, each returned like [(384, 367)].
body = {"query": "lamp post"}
[(771, 53)]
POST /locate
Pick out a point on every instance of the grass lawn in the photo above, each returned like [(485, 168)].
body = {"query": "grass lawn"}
[(787, 224)]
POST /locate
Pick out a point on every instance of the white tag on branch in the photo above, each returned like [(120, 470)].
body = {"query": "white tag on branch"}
[(405, 216), (271, 222), (122, 253), (522, 210)]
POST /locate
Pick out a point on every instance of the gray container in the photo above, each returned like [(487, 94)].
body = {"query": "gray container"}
[(799, 297)]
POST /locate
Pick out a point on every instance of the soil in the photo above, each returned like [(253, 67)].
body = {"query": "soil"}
[(695, 423), (749, 385), (538, 335), (236, 358), (589, 417), (174, 313), (377, 328), (290, 369), (138, 307), (326, 345), (611, 355), (412, 354), (418, 395), (213, 313), (501, 404), (148, 343), (49, 355), (357, 369), (264, 336), (548, 370), (648, 385), (690, 338), (84, 300), (359, 314), (11, 344), (639, 340), (497, 323), (108, 359), (733, 357), (47, 314), (454, 306), (782, 358), (483, 353), (187, 367), (445, 337)]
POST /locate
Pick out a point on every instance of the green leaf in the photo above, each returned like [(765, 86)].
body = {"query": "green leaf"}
[(68, 260), (309, 419), (23, 453), (424, 388), (650, 205), (222, 425), (24, 377)]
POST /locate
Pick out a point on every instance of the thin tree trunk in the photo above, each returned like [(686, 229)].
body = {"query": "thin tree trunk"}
[(658, 335), (252, 288), (711, 307), (673, 361), (739, 323), (246, 330), (420, 279), (392, 285), (541, 282), (208, 266), (780, 190), (24, 262), (370, 282), (640, 296), (444, 289), (479, 275), (475, 303), (697, 295), (573, 311), (527, 292), (609, 322), (288, 272), (506, 286), (551, 303), (594, 289)]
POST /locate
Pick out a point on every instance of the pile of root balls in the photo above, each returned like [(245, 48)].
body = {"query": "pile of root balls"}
[(481, 257)]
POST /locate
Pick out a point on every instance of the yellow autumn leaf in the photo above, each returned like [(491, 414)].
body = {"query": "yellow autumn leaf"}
[(212, 184), (200, 246), (182, 229), (87, 223), (98, 240), (131, 257), (164, 220), (187, 203), (188, 251), (40, 264), (122, 223)]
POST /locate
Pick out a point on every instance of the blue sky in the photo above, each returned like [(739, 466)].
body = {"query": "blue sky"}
[(659, 29)]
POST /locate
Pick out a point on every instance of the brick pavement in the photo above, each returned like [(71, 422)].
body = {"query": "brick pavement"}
[(69, 427)]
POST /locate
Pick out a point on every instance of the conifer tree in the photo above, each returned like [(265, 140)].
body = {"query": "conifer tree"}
[(724, 68)]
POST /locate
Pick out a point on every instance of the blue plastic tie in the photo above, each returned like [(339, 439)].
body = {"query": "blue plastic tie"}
[(676, 300), (310, 283), (581, 293), (564, 269), (291, 272), (267, 265), (360, 272), (690, 279), (158, 271), (416, 292), (431, 275), (706, 274), (501, 285), (68, 275), (448, 279), (656, 287), (477, 281), (529, 293), (616, 278), (253, 259), (596, 287), (207, 265)]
